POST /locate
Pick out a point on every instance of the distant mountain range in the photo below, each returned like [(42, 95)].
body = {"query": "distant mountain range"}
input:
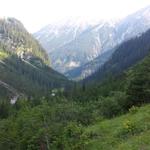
[(78, 49), (74, 44)]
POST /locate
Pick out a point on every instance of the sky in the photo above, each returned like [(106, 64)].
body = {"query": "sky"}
[(35, 14)]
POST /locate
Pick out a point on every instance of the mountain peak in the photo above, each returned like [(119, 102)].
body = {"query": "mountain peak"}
[(82, 40)]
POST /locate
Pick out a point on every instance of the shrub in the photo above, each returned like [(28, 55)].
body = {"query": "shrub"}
[(133, 109), (74, 137), (129, 128)]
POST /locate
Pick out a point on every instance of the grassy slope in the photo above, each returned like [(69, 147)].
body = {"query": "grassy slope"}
[(118, 134)]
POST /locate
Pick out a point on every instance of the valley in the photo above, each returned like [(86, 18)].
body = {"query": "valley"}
[(76, 84)]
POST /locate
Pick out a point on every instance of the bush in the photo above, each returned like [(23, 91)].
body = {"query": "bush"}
[(74, 137), (133, 109), (129, 128)]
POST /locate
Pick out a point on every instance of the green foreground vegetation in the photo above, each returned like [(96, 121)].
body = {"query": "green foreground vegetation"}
[(107, 116), (127, 132), (61, 125)]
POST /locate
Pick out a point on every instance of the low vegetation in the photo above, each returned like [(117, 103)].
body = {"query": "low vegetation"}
[(105, 117)]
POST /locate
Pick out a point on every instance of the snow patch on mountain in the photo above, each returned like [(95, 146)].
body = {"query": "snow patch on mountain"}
[(73, 64)]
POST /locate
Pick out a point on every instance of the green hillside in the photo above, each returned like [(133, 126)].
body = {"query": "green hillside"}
[(108, 117), (125, 55), (26, 77), (24, 64), (127, 132), (15, 38)]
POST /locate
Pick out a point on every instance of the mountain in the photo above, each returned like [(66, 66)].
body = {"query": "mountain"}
[(87, 46), (81, 43), (58, 34), (89, 68), (76, 52), (15, 38), (132, 26), (24, 64), (126, 55), (77, 42)]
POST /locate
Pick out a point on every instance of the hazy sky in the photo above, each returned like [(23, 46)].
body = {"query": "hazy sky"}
[(37, 13)]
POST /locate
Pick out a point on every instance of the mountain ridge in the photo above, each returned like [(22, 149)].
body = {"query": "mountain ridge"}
[(97, 39), (24, 64), (126, 55)]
